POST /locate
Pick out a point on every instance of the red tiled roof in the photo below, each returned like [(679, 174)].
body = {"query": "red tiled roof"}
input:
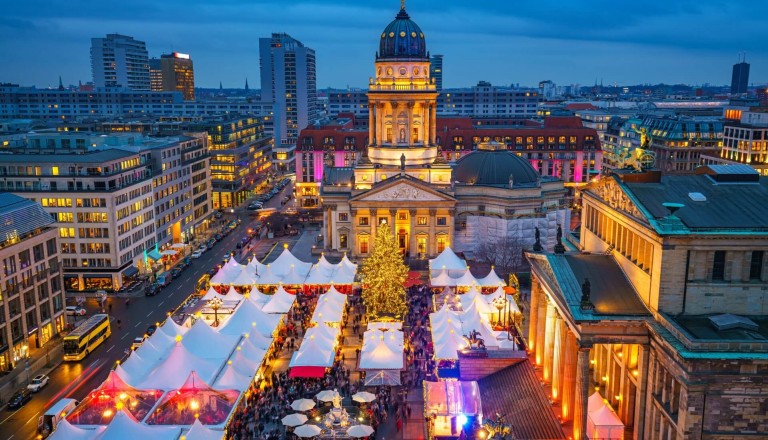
[(580, 106), (517, 395)]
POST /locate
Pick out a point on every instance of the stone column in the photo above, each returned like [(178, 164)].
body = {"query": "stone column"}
[(409, 130), (541, 324), (557, 358), (374, 224), (643, 354), (431, 237), (412, 251), (352, 239), (581, 395), (533, 314), (331, 220), (393, 221), (380, 128), (371, 123), (549, 341), (432, 124), (569, 375)]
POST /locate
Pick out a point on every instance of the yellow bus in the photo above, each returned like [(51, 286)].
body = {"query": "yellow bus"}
[(84, 339)]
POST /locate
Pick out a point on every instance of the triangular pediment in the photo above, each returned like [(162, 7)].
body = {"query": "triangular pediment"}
[(402, 189), (616, 196)]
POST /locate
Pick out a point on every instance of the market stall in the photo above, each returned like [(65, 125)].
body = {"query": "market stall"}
[(450, 406)]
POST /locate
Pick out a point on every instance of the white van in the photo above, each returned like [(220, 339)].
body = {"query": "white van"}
[(46, 423)]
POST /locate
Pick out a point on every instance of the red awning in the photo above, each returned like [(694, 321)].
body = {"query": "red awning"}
[(316, 372), (414, 279)]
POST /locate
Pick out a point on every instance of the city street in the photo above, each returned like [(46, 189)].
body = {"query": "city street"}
[(76, 379)]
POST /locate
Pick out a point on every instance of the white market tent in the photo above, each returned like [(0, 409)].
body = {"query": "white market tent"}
[(258, 339), (256, 266), (124, 427), (324, 272), (171, 329), (198, 431), (397, 325), (211, 294), (473, 296), (381, 356), (244, 278), (314, 352), (330, 307), (66, 431), (205, 342), (449, 261), (281, 302), (448, 345), (466, 279), (267, 277), (232, 296), (604, 424), (491, 280), (247, 317), (231, 378), (471, 320), (287, 261), (257, 297), (442, 279)]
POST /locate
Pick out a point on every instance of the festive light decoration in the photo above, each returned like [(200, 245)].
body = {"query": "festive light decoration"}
[(383, 273)]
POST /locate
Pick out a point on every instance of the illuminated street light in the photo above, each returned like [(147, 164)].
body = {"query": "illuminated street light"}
[(216, 304)]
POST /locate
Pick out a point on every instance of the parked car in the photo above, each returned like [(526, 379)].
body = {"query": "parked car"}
[(255, 205), (152, 290), (203, 247), (176, 272), (197, 254), (218, 214), (138, 341), (20, 398), (150, 330), (75, 311), (37, 384), (163, 280)]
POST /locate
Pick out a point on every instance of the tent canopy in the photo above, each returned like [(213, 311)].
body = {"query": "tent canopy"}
[(449, 261), (381, 357), (491, 280), (466, 279), (281, 302)]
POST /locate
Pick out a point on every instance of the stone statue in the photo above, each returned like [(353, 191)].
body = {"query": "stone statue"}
[(559, 248), (336, 400), (352, 181), (586, 291), (645, 138), (559, 233), (402, 162), (537, 247)]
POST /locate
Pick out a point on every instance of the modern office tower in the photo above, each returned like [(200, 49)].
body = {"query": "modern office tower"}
[(31, 280), (178, 74), (120, 61), (155, 75), (740, 78), (288, 81), (436, 70)]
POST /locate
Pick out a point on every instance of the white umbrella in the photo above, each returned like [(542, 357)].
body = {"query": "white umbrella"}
[(295, 419), (307, 431), (302, 404), (359, 431), (179, 245), (169, 252), (327, 395), (364, 397)]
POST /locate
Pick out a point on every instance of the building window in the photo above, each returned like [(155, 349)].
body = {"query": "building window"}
[(718, 266), (363, 245), (362, 221), (421, 221), (402, 216), (343, 241), (343, 217), (756, 265), (440, 244), (442, 221)]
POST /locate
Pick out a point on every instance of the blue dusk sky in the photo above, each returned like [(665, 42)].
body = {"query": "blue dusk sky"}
[(501, 41)]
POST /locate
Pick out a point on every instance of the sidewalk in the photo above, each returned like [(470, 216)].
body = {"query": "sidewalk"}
[(41, 361)]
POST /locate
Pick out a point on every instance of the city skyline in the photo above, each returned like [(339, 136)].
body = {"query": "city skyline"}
[(575, 45)]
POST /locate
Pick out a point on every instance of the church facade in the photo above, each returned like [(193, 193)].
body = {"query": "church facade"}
[(403, 180)]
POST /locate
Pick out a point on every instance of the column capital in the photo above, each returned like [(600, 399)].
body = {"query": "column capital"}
[(353, 211), (393, 213), (432, 211), (412, 212), (331, 206)]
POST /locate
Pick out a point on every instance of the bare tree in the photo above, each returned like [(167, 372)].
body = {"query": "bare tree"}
[(505, 252)]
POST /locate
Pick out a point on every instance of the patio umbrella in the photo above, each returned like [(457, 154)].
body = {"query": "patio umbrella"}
[(307, 431), (364, 397), (359, 431), (327, 395), (302, 404), (294, 419)]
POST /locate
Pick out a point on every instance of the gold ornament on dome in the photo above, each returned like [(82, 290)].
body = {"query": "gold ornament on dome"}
[(402, 33), (413, 34), (422, 35), (391, 34), (383, 34)]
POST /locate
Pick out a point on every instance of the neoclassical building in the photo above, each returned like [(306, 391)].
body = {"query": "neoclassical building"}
[(402, 178), (664, 311)]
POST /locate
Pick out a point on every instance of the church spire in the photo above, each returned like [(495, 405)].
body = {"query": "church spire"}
[(61, 85), (246, 85)]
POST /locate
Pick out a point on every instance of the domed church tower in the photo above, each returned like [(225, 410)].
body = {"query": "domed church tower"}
[(402, 98)]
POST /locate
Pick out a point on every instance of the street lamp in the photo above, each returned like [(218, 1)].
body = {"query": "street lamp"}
[(500, 302), (216, 304)]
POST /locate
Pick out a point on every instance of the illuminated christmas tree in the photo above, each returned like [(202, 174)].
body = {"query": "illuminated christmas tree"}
[(383, 274)]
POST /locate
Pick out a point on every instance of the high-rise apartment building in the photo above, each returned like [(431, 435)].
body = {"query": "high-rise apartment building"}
[(120, 61), (288, 81), (173, 72), (436, 70), (740, 78)]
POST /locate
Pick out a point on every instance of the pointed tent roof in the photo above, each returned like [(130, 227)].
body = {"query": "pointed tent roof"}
[(247, 317), (232, 295), (257, 297), (449, 344), (442, 279), (66, 431), (244, 278), (211, 294), (447, 260), (313, 353), (491, 280), (173, 371), (476, 302), (151, 353), (172, 329), (322, 331), (293, 277), (267, 277), (324, 264), (281, 302), (232, 265), (595, 402), (605, 418), (348, 264), (344, 274), (467, 279), (134, 369), (231, 378), (334, 294), (226, 275), (198, 431), (283, 263), (473, 321), (257, 266), (124, 427), (205, 342), (249, 354), (259, 340), (381, 357), (114, 382)]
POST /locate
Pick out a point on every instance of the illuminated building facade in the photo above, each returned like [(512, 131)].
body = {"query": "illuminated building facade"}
[(120, 61), (33, 293), (663, 312), (173, 72), (745, 139), (395, 172)]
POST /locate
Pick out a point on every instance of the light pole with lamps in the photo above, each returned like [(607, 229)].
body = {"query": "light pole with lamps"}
[(216, 304), (500, 302)]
